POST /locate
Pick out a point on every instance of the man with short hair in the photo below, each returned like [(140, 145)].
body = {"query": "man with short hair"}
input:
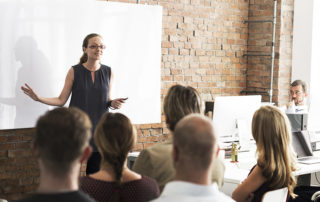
[(194, 150), (156, 161), (61, 144), (298, 94)]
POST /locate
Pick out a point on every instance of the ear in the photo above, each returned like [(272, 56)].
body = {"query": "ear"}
[(86, 154), (217, 152), (306, 94), (35, 150), (175, 153)]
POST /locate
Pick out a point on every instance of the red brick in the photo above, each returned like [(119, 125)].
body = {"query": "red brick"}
[(7, 146), (14, 138), (24, 145), (3, 139), (138, 147), (166, 44)]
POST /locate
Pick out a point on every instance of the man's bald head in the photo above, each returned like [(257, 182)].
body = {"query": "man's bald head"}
[(195, 140)]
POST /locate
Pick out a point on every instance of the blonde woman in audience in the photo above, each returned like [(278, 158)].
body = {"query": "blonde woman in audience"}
[(115, 137), (156, 161), (276, 158)]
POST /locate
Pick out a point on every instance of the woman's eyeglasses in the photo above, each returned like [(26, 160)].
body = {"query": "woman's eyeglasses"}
[(96, 47)]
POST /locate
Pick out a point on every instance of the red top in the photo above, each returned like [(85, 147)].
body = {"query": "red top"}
[(144, 189)]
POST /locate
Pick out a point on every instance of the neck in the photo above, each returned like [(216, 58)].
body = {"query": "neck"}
[(92, 65), (107, 173), (49, 183), (193, 176), (301, 104)]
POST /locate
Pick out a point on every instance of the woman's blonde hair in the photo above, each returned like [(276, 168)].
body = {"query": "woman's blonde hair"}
[(276, 157)]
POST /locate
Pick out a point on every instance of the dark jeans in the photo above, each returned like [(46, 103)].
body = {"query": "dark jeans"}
[(93, 163)]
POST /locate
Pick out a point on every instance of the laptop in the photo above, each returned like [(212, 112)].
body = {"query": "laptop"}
[(302, 146)]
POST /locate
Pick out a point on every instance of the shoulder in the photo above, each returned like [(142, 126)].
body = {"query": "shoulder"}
[(256, 176), (148, 180), (146, 185), (77, 66), (105, 67), (256, 172), (81, 197), (156, 152), (86, 183), (156, 162)]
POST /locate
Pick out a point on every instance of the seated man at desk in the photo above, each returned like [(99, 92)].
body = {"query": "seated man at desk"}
[(298, 94), (156, 161), (194, 149)]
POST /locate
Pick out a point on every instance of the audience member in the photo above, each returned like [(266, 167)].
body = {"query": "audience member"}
[(61, 145), (194, 150), (298, 94), (276, 157), (115, 137), (156, 161)]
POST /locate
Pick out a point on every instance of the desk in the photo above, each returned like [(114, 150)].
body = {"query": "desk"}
[(235, 173)]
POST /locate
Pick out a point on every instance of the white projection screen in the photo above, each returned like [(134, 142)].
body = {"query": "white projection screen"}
[(41, 39)]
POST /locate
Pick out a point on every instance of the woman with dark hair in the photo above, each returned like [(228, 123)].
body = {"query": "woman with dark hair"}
[(115, 137), (90, 84)]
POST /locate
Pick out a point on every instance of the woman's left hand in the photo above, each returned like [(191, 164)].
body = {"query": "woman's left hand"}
[(117, 103)]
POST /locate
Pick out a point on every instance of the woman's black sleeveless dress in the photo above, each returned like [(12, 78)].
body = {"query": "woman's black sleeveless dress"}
[(91, 97)]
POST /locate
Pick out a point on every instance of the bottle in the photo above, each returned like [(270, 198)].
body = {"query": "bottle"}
[(234, 152)]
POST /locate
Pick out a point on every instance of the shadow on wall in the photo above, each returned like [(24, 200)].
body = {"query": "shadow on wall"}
[(36, 71)]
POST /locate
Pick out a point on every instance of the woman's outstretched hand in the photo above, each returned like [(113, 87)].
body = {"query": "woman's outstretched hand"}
[(30, 92), (117, 103)]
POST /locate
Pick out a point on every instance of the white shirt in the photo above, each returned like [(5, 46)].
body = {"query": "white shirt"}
[(301, 109), (179, 191)]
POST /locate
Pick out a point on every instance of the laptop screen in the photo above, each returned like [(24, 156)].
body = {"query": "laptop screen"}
[(301, 143)]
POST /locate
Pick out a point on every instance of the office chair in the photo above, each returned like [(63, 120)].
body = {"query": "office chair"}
[(279, 195), (316, 197)]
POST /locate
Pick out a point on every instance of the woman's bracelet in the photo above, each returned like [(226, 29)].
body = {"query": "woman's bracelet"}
[(109, 105)]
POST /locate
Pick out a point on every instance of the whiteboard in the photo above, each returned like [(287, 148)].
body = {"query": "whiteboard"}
[(41, 39)]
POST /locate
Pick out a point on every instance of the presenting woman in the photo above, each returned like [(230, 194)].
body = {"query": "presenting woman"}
[(89, 84)]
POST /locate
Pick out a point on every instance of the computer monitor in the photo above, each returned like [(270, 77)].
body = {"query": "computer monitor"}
[(232, 117), (299, 122), (301, 143)]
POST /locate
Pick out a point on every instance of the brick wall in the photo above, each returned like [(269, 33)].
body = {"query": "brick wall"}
[(203, 43), (260, 42), (285, 51), (19, 172)]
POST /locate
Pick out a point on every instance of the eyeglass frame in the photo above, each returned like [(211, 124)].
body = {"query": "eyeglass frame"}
[(96, 47)]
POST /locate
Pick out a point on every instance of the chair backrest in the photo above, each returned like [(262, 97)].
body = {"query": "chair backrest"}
[(316, 197), (279, 195)]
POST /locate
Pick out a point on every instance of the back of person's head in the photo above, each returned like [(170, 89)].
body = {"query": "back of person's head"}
[(300, 82), (196, 142), (61, 137), (179, 102), (276, 157), (114, 137)]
